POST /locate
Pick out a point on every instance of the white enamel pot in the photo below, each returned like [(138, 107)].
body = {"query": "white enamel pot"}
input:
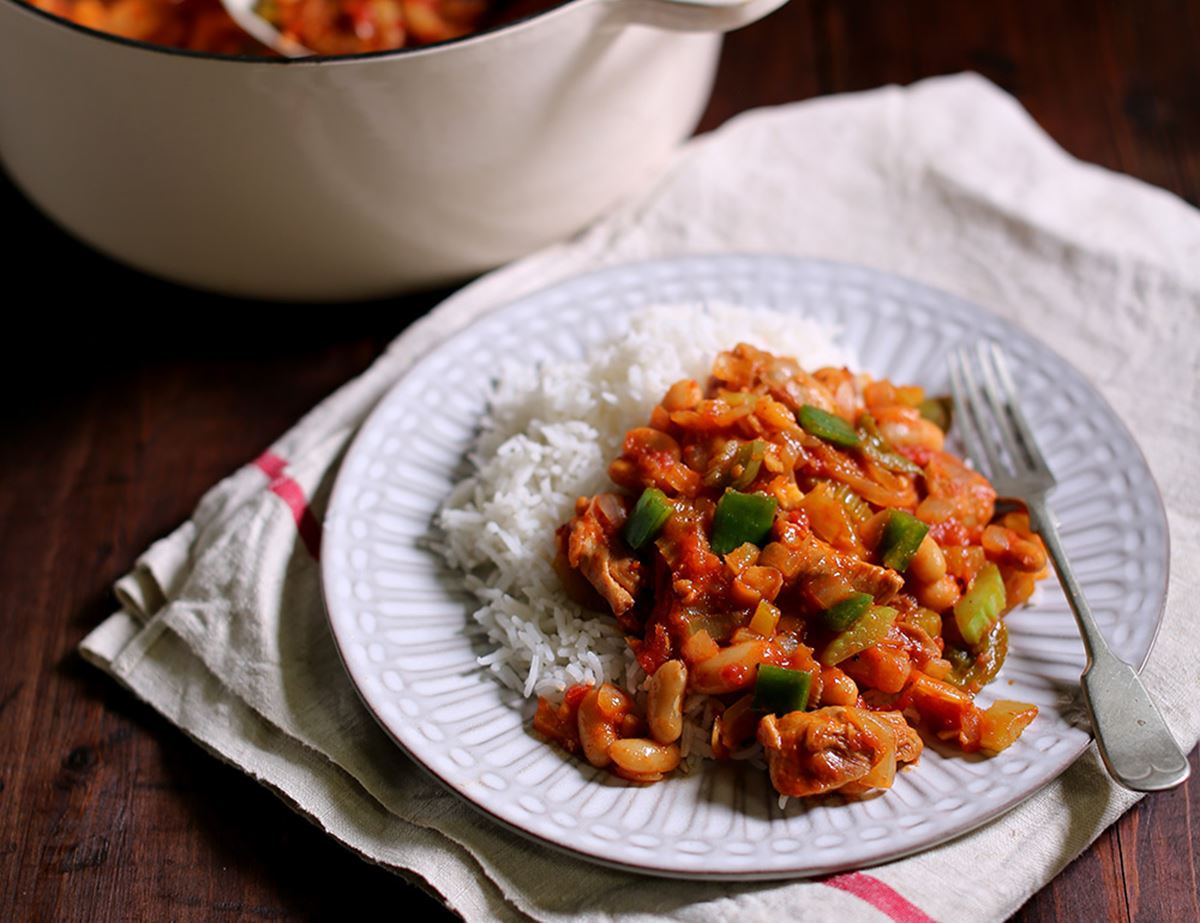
[(341, 178)]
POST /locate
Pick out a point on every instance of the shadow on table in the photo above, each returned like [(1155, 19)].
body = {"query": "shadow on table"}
[(234, 847), (86, 317)]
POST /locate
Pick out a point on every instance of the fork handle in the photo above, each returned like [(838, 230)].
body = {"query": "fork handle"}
[(1134, 740)]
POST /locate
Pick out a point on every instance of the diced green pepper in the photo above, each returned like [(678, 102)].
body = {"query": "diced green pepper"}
[(866, 632), (749, 458), (971, 671), (842, 615), (902, 536), (717, 474), (742, 518), (779, 690), (980, 607), (649, 515), (938, 411), (827, 426), (875, 447)]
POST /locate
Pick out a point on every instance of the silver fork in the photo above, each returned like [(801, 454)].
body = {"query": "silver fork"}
[(1134, 741)]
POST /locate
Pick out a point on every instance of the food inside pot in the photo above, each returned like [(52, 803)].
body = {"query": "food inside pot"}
[(352, 26), (197, 25), (327, 27)]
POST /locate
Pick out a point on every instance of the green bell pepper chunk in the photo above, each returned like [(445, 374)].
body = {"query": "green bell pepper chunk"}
[(827, 426), (866, 632), (779, 690), (938, 411), (742, 518), (972, 670), (879, 450), (649, 515), (980, 607), (749, 458), (902, 536), (842, 615)]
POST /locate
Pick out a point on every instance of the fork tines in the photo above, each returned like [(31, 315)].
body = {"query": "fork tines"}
[(994, 428)]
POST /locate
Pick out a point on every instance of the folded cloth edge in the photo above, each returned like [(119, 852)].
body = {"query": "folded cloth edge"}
[(291, 771)]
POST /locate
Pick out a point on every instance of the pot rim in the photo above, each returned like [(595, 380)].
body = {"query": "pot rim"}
[(313, 61)]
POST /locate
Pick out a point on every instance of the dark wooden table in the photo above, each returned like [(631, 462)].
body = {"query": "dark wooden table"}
[(118, 419)]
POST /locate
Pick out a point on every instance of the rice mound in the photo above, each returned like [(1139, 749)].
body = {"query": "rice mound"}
[(546, 440)]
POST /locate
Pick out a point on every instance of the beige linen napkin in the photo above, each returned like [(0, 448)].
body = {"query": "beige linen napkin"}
[(221, 627)]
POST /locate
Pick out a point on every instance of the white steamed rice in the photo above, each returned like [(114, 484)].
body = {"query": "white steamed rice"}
[(547, 439)]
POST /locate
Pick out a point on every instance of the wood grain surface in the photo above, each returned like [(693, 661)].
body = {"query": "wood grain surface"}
[(126, 398)]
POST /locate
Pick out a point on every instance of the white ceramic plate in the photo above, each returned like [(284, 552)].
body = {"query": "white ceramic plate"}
[(402, 620)]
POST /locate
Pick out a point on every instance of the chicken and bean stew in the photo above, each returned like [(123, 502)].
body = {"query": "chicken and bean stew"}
[(800, 551)]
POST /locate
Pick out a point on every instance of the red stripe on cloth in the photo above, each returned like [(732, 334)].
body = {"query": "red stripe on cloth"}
[(880, 896), (292, 494), (270, 464)]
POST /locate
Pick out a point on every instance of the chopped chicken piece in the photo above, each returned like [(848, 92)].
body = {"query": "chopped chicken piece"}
[(594, 545), (808, 556), (909, 745), (814, 752)]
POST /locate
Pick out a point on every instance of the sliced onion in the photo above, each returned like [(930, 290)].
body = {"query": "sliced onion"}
[(883, 773)]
